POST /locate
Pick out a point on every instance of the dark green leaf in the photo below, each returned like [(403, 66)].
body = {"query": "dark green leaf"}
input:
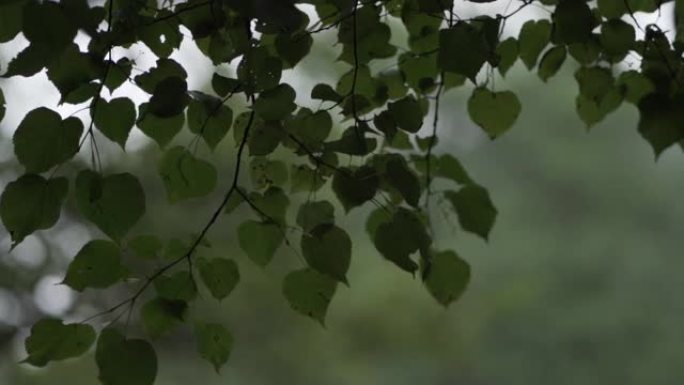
[(43, 140), (476, 212), (97, 265), (400, 236), (209, 118), (170, 97), (462, 49), (162, 130), (312, 214), (114, 203), (447, 277), (115, 119), (309, 293), (552, 61), (355, 187), (159, 316), (402, 178), (276, 103), (179, 286), (407, 114), (31, 203), (122, 361), (51, 340), (534, 36), (327, 249)]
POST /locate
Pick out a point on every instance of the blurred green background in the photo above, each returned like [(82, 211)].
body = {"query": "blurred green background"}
[(579, 283)]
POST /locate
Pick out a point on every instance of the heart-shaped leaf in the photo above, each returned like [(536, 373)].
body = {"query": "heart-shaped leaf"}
[(494, 112), (113, 203)]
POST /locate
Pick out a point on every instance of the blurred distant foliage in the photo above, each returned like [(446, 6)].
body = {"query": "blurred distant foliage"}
[(384, 157)]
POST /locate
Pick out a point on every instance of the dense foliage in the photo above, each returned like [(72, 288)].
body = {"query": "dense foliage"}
[(383, 159)]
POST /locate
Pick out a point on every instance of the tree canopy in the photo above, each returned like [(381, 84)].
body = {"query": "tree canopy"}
[(288, 149)]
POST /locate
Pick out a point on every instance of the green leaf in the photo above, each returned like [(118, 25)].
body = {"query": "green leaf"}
[(225, 86), (259, 71), (265, 173), (10, 20), (97, 265), (399, 237), (304, 178), (494, 112), (447, 277), (209, 118), (122, 361), (508, 54), (272, 204), (115, 119), (355, 187), (165, 69), (534, 36), (162, 130), (312, 214), (476, 212), (552, 61), (145, 246), (160, 315), (407, 114), (617, 38), (43, 140), (31, 203), (451, 168), (635, 85), (214, 343), (2, 100), (661, 120), (114, 203), (572, 21), (326, 93), (327, 249), (471, 45), (219, 275), (260, 240), (309, 293), (402, 178), (186, 176), (170, 97), (310, 128), (51, 340), (276, 103), (179, 286)]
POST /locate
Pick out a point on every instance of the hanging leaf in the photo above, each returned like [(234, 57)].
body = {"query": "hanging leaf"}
[(260, 240), (309, 293), (186, 176), (494, 112), (122, 361), (327, 249), (114, 203), (43, 140), (159, 316), (115, 119), (219, 275), (51, 340), (31, 203), (447, 277), (476, 212), (214, 343), (97, 265)]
